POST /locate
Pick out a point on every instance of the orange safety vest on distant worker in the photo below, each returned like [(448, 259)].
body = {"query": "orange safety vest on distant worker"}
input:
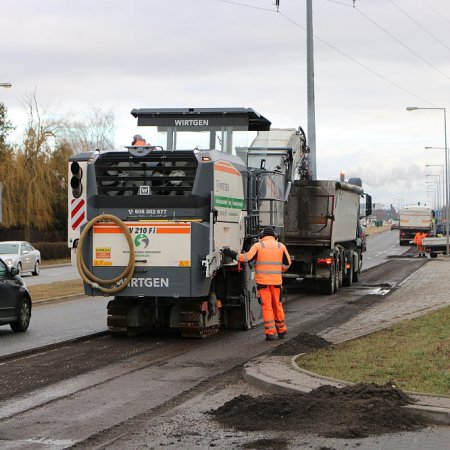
[(418, 237), (140, 143), (272, 258)]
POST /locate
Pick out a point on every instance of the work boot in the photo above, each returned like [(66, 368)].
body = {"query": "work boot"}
[(282, 335), (270, 337)]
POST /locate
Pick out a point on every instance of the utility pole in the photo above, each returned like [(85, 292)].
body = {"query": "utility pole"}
[(310, 89)]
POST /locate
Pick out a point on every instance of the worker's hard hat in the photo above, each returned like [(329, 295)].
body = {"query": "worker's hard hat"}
[(268, 231)]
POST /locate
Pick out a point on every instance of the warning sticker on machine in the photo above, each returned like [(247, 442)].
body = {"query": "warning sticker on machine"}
[(157, 244), (103, 253)]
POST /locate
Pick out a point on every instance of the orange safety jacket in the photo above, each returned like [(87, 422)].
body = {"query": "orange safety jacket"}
[(141, 143), (418, 238), (272, 258)]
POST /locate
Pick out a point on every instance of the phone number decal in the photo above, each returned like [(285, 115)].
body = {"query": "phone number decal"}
[(148, 212)]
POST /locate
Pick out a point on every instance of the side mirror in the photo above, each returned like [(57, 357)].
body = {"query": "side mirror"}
[(368, 205), (14, 271)]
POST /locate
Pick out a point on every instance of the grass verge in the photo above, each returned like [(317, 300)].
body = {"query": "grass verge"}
[(414, 355), (370, 231), (41, 292), (51, 262)]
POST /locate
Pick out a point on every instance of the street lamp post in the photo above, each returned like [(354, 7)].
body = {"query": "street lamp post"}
[(432, 186), (443, 179), (431, 194), (447, 211), (438, 189)]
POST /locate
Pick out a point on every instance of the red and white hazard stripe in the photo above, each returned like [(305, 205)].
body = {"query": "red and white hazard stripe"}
[(77, 212)]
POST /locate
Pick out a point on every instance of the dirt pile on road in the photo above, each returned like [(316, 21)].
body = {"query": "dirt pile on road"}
[(354, 411), (302, 343)]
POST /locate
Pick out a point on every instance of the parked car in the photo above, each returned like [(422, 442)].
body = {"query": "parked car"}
[(15, 300), (395, 225), (21, 255)]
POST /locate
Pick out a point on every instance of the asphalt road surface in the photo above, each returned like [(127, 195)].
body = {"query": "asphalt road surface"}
[(381, 246), (156, 390), (56, 322)]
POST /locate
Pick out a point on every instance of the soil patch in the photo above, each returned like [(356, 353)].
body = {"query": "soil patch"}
[(302, 343), (354, 411)]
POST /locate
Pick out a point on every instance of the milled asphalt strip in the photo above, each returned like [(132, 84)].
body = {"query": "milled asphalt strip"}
[(62, 389), (49, 347), (281, 375)]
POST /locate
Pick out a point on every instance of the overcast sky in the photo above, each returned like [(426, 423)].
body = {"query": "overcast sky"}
[(371, 62)]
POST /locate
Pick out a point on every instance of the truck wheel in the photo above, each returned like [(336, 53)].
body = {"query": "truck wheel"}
[(327, 287), (348, 279), (355, 276), (340, 272)]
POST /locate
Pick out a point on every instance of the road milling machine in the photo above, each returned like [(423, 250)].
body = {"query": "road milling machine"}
[(147, 224)]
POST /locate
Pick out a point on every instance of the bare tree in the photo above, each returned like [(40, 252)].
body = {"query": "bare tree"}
[(34, 170), (95, 131)]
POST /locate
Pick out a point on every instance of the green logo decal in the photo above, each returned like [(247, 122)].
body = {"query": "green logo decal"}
[(141, 239)]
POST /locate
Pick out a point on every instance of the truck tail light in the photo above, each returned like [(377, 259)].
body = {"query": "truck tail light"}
[(327, 261)]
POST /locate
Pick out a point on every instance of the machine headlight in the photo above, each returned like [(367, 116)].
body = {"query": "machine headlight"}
[(8, 261)]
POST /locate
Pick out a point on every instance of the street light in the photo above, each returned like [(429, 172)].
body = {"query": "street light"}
[(443, 178), (6, 85), (439, 188), (432, 186), (447, 211)]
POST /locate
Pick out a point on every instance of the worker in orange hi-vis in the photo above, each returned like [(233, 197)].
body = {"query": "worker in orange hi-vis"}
[(139, 141), (271, 259), (418, 238)]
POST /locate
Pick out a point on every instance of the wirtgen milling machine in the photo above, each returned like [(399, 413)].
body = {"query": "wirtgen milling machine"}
[(148, 224)]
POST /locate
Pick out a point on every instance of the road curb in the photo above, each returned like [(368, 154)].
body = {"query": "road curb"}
[(65, 297)]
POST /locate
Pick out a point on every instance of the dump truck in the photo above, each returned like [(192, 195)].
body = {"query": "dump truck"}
[(320, 223), (414, 218), (321, 232), (147, 224)]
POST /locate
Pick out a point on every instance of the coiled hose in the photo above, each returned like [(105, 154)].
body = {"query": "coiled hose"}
[(87, 276)]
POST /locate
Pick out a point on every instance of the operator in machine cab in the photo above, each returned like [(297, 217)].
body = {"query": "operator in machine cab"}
[(139, 141), (272, 258)]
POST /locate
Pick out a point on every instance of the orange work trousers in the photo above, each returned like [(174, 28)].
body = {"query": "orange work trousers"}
[(272, 310)]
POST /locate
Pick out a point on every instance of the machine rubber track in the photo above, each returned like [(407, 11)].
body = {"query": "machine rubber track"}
[(194, 323), (117, 319)]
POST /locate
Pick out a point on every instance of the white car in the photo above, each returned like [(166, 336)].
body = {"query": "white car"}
[(21, 255)]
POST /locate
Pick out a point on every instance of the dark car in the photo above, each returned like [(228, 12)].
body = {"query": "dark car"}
[(15, 300)]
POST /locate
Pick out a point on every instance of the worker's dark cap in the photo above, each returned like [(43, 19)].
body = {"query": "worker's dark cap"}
[(268, 231)]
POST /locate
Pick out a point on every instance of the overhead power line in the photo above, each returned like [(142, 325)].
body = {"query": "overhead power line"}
[(392, 83), (419, 25), (436, 11), (403, 45)]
